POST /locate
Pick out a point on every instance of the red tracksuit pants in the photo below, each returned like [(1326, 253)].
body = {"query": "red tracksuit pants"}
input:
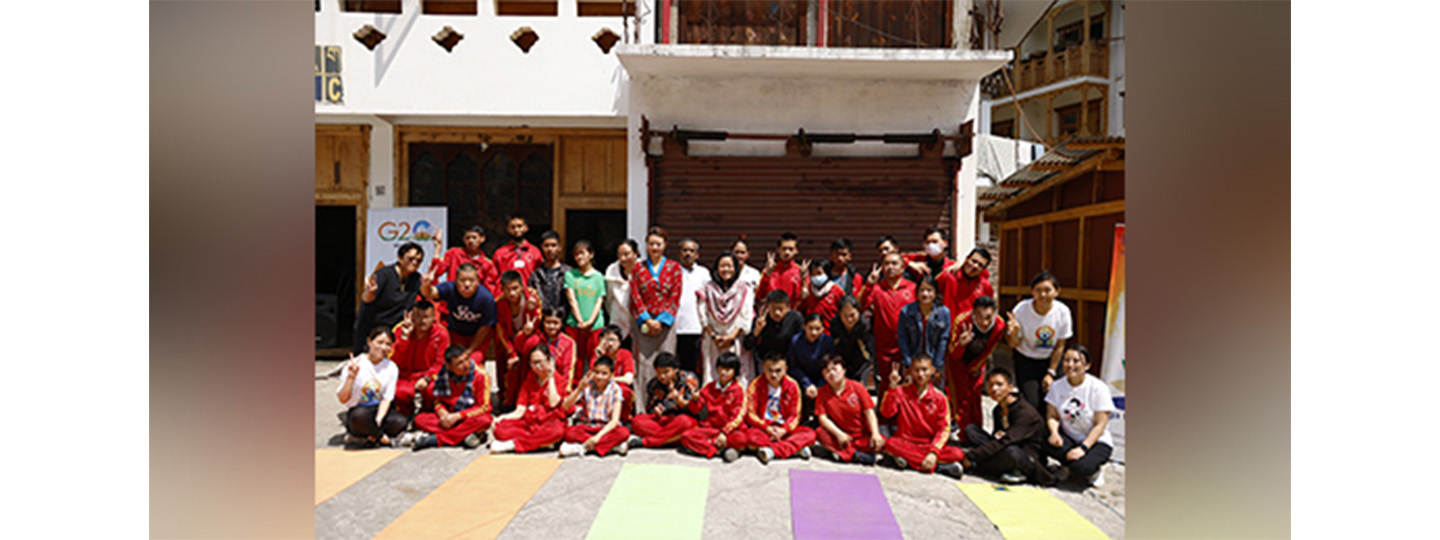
[(915, 450), (579, 433), (753, 438), (701, 440), (858, 443), (964, 389), (429, 422), (662, 430), (404, 401), (529, 435), (585, 342)]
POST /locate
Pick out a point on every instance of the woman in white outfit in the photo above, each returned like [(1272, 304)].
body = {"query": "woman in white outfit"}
[(726, 312), (617, 287)]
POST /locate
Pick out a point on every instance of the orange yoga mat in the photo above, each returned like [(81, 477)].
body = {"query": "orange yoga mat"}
[(336, 469), (477, 502)]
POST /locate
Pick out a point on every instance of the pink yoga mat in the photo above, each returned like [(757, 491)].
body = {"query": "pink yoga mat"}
[(826, 505)]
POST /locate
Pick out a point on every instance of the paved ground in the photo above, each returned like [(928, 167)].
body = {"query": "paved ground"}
[(746, 499)]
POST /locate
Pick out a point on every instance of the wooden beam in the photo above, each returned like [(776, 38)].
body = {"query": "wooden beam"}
[(1092, 210), (1050, 166), (1088, 295), (1113, 165), (1065, 176), (1080, 260), (1077, 145)]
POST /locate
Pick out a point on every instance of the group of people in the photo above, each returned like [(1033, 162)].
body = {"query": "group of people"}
[(785, 361)]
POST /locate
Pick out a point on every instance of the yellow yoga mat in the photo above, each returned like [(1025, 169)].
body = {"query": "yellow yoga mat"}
[(477, 502), (336, 469), (653, 501), (1022, 512)]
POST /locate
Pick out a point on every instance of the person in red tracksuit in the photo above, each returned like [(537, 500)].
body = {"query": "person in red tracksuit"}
[(609, 347), (820, 295), (419, 350), (596, 426), (933, 260), (519, 254), (448, 263), (773, 413), (538, 420), (781, 273), (974, 337), (517, 320), (562, 347), (669, 396), (963, 282), (848, 427), (721, 407), (885, 299), (923, 422), (460, 410)]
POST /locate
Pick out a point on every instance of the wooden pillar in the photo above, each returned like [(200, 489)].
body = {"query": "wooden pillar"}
[(1085, 40), (1049, 48), (1105, 111), (1049, 117), (1085, 108)]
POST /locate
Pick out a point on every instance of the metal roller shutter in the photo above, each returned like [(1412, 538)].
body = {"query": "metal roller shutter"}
[(716, 199)]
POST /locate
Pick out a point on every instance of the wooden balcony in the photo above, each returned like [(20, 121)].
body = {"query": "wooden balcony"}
[(1040, 69)]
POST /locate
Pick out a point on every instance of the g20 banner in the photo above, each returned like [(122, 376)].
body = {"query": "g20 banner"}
[(389, 228), (1114, 364)]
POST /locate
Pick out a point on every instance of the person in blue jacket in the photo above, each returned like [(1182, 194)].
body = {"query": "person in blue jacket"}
[(924, 326), (808, 350)]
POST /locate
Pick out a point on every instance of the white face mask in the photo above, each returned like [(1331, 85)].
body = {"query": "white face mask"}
[(819, 281), (933, 248)]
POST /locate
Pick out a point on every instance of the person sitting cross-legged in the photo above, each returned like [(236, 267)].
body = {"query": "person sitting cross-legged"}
[(849, 429), (721, 407), (538, 420), (923, 424), (773, 413), (459, 401), (596, 426), (1014, 452)]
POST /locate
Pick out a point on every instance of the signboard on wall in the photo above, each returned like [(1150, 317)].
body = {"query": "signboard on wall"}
[(328, 87), (389, 228)]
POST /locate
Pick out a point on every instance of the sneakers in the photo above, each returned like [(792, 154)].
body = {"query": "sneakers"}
[(900, 462), (765, 454), (952, 470), (804, 453), (1098, 479), (1062, 474), (472, 441), (571, 449), (729, 455), (863, 458), (623, 448), (1013, 477), (351, 440), (423, 441), (635, 441), (500, 447)]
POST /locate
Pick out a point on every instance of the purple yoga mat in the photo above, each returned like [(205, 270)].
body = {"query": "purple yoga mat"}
[(828, 505)]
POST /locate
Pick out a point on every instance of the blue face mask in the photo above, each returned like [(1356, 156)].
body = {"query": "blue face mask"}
[(819, 281)]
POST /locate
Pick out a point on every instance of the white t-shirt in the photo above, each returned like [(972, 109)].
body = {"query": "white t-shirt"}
[(1078, 405), (373, 383), (1038, 334), (687, 318)]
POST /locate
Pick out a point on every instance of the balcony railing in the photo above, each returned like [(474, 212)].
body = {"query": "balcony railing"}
[(828, 23), (1041, 69), (739, 22)]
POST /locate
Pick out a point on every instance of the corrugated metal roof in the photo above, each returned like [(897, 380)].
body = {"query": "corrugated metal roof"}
[(1071, 152)]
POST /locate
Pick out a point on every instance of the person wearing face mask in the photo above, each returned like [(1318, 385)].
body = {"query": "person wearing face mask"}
[(390, 292), (617, 288), (519, 254), (726, 313), (821, 296), (933, 260)]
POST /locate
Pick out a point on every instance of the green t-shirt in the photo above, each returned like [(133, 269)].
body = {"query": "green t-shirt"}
[(589, 290)]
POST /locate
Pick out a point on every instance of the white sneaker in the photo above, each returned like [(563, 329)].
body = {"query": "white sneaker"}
[(1098, 479), (500, 447), (408, 439), (765, 453), (623, 448), (571, 449)]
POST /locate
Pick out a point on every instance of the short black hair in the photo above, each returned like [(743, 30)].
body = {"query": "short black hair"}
[(848, 300), (777, 296), (604, 361), (841, 243), (787, 236), (452, 352), (509, 276), (475, 229), (550, 234), (822, 264), (516, 216), (1084, 353), (466, 267), (543, 348), (983, 301), (814, 317), (922, 356), (666, 359), (884, 239), (932, 230), (634, 246), (611, 329), (552, 311), (1044, 276), (423, 305), (1001, 371), (581, 244), (927, 280), (832, 358), (728, 360), (406, 248), (774, 356), (380, 329), (983, 253)]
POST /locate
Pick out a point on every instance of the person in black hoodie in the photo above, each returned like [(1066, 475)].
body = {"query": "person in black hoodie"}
[(1014, 451), (774, 328), (854, 341)]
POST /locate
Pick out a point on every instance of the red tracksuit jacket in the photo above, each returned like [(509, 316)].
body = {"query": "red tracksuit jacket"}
[(758, 396), (480, 389), (827, 306), (527, 255), (506, 322), (720, 409), (924, 416), (786, 277), (967, 320), (885, 301), (847, 410), (449, 266), (537, 407), (422, 355), (958, 292)]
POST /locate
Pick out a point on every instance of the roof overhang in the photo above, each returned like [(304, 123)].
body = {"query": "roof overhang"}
[(808, 62)]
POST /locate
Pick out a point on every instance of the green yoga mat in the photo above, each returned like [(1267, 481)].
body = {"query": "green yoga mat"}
[(653, 501), (1022, 512)]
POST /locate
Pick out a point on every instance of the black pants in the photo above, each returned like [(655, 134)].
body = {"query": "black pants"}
[(687, 351), (361, 422), (1085, 466), (1029, 376), (1012, 458)]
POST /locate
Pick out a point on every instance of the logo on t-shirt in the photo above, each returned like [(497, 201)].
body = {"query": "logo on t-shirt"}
[(772, 406), (1045, 337), (853, 400), (463, 313), (370, 391), (1072, 409)]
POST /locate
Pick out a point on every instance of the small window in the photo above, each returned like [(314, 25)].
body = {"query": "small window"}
[(531, 8), (373, 6), (606, 8), (449, 7)]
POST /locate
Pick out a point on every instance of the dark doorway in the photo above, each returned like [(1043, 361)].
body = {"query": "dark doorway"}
[(334, 276), (484, 184), (605, 229)]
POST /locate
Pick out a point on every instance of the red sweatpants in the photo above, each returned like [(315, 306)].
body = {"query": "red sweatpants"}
[(585, 342), (914, 452), (883, 364), (579, 433), (512, 378), (701, 440), (404, 401), (964, 391), (753, 438), (429, 422), (858, 442), (530, 435), (662, 430)]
